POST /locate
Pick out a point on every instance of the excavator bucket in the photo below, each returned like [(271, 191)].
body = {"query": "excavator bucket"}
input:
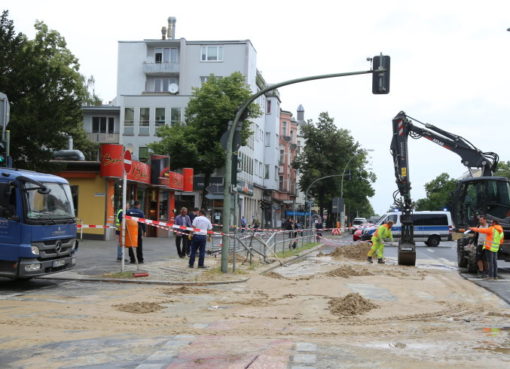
[(406, 253)]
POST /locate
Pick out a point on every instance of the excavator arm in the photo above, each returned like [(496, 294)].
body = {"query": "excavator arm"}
[(471, 157)]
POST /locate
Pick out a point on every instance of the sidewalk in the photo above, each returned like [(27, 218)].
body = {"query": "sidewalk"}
[(97, 261)]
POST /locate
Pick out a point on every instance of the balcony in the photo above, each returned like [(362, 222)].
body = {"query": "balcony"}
[(287, 138), (160, 69), (103, 137)]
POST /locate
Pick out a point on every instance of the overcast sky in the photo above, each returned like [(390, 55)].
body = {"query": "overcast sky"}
[(449, 60)]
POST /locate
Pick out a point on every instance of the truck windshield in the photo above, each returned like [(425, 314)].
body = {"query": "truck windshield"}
[(55, 204)]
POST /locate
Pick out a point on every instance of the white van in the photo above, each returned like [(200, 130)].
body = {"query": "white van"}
[(430, 227)]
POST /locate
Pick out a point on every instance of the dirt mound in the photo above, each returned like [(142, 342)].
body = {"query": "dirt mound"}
[(139, 307), (350, 305), (346, 271), (185, 290), (356, 251), (274, 275)]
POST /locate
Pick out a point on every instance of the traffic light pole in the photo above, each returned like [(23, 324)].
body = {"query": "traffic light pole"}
[(228, 189)]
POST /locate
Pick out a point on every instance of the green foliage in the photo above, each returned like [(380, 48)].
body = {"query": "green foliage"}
[(438, 193), (328, 151), (45, 90), (196, 144), (503, 169)]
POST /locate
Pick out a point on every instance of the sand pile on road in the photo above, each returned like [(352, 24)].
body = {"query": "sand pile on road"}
[(139, 307), (350, 305), (274, 275), (356, 251), (346, 271)]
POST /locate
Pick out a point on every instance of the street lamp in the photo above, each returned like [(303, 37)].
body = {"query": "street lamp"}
[(342, 213)]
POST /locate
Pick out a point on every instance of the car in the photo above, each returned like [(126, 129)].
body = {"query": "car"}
[(358, 223), (356, 236)]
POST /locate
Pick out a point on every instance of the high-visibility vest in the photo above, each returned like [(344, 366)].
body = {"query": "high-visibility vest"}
[(492, 243), (117, 220)]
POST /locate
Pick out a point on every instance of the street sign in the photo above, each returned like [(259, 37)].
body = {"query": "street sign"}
[(337, 205), (127, 161)]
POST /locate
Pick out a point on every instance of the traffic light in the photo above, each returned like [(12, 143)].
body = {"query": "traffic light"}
[(3, 153), (381, 74)]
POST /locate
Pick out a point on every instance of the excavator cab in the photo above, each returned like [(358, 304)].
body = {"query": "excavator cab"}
[(476, 196)]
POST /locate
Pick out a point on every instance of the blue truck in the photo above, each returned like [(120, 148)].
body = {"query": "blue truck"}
[(37, 224)]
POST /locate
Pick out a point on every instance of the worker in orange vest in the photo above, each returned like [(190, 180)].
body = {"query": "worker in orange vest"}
[(495, 236)]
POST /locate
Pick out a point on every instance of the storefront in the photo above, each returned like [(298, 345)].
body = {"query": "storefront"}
[(98, 195)]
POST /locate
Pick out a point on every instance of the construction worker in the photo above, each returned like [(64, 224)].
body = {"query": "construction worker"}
[(494, 238), (118, 224), (381, 233)]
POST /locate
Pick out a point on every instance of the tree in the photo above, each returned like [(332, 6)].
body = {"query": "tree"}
[(327, 152), (438, 193), (197, 143), (503, 169), (45, 90)]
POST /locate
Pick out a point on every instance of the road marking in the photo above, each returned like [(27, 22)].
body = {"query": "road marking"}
[(430, 250)]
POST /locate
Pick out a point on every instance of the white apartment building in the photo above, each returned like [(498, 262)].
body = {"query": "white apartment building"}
[(155, 79)]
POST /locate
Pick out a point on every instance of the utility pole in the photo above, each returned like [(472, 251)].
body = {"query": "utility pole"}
[(228, 189)]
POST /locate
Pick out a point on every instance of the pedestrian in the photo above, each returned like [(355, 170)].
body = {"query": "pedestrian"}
[(135, 211), (494, 237), (182, 236), (243, 224), (481, 252), (201, 226), (382, 233), (318, 228), (118, 225), (193, 215)]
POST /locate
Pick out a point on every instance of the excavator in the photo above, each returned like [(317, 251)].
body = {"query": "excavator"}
[(479, 193)]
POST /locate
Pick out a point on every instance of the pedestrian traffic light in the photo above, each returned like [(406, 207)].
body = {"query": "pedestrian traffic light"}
[(3, 153), (381, 74)]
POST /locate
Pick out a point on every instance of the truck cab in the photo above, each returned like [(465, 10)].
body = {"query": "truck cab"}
[(37, 224)]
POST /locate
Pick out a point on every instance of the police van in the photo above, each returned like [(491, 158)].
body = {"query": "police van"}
[(430, 227)]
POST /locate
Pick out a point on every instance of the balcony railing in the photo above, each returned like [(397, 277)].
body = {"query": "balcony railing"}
[(151, 68), (103, 137)]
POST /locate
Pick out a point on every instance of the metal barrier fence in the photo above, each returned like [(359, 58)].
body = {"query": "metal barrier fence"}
[(263, 246)]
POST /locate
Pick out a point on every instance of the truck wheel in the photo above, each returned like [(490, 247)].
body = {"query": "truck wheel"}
[(461, 254), (471, 263), (433, 241)]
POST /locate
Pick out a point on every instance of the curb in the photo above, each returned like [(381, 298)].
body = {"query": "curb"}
[(139, 281), (505, 299)]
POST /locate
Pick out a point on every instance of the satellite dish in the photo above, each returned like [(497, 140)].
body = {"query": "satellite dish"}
[(173, 88)]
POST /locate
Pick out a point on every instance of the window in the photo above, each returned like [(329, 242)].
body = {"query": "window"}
[(165, 55), (144, 121), (129, 121), (103, 125), (268, 107), (160, 117), (268, 139), (160, 84), (211, 53), (175, 116), (143, 154), (282, 157), (284, 128), (266, 174)]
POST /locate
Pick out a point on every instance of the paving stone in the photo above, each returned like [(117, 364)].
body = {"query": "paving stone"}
[(306, 346), (305, 358)]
